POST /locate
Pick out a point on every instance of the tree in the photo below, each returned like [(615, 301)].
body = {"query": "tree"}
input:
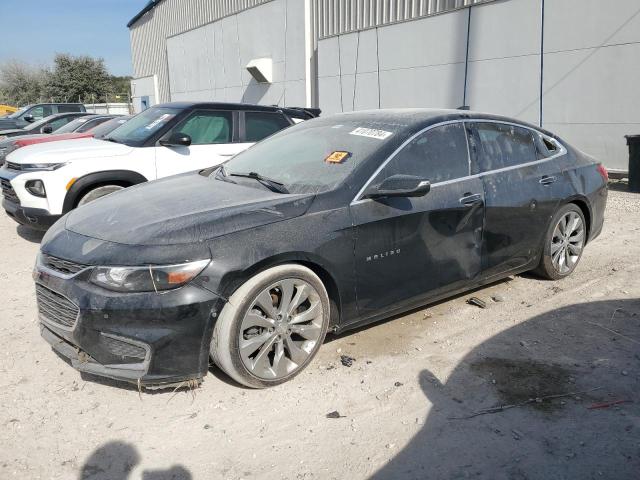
[(21, 84), (74, 78)]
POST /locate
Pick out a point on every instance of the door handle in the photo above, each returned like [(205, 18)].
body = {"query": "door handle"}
[(471, 199), (547, 180), (226, 154)]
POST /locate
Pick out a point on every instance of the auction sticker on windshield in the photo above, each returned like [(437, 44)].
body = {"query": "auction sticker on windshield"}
[(159, 120), (371, 133), (337, 157)]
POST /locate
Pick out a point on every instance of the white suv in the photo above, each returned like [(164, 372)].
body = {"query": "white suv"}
[(40, 183)]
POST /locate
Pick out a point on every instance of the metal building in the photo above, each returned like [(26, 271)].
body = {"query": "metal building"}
[(569, 65)]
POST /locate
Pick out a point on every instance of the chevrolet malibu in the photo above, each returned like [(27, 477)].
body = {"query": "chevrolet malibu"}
[(325, 226)]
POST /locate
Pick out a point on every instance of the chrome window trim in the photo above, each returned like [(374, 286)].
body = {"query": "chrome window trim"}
[(562, 151)]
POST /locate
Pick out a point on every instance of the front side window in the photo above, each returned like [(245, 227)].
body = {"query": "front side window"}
[(438, 155), (143, 126), (499, 145), (206, 128), (59, 122), (40, 112), (260, 125)]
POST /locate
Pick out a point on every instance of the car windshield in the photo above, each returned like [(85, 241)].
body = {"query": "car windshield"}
[(144, 125), (19, 112), (311, 157), (73, 125), (107, 127)]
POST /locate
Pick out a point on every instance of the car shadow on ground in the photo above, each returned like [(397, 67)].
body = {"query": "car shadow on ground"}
[(589, 353), (30, 235), (116, 460)]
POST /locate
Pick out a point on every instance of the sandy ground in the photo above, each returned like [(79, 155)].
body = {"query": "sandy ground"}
[(411, 377)]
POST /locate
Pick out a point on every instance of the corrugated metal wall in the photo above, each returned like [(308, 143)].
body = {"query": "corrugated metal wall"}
[(335, 17), (171, 17)]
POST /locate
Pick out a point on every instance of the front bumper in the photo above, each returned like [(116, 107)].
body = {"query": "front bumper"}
[(35, 218), (149, 339)]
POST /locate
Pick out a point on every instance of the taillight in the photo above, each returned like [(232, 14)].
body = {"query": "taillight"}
[(603, 172)]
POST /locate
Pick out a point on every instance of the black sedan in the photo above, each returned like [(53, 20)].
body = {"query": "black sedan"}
[(330, 224)]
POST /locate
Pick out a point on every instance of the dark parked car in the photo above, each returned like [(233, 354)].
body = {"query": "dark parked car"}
[(333, 223), (45, 126), (34, 113), (82, 127)]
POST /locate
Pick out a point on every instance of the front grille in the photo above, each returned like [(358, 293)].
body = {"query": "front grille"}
[(60, 265), (120, 348), (55, 307), (11, 165), (8, 192)]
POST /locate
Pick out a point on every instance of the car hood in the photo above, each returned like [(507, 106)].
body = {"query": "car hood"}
[(7, 124), (10, 131), (54, 137), (183, 209), (68, 150)]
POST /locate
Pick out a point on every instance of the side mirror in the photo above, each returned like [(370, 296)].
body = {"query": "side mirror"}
[(28, 118), (175, 139), (399, 186), (47, 129)]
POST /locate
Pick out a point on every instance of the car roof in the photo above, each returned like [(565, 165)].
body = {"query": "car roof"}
[(229, 106), (411, 119)]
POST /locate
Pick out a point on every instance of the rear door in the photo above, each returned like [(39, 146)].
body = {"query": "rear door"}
[(408, 249), (519, 194), (213, 140)]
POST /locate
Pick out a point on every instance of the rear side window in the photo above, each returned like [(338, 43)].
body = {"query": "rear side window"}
[(206, 128), (498, 145), (68, 108), (544, 146), (438, 155), (259, 125)]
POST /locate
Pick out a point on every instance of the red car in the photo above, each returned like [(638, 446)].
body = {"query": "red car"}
[(97, 126)]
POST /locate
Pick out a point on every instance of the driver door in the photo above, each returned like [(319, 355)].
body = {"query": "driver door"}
[(410, 249), (212, 136)]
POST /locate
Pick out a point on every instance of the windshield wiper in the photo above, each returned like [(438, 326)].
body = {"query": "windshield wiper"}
[(273, 185), (109, 139)]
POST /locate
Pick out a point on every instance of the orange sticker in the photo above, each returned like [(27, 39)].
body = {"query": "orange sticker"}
[(337, 157)]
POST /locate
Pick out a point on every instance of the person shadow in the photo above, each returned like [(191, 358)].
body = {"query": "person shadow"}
[(586, 356), (116, 460)]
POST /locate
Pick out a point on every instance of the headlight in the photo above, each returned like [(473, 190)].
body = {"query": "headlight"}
[(35, 187), (41, 166), (147, 279)]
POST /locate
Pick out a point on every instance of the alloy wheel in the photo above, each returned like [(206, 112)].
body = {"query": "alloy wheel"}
[(567, 242), (281, 329)]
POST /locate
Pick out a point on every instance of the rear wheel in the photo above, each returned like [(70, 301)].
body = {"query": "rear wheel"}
[(272, 326), (98, 192), (564, 243)]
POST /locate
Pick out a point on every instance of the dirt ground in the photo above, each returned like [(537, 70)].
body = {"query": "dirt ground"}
[(404, 404)]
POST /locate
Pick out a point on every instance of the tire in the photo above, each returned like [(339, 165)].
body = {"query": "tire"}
[(261, 340), (98, 192), (563, 249)]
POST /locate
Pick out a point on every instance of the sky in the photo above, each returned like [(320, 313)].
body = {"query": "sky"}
[(33, 31)]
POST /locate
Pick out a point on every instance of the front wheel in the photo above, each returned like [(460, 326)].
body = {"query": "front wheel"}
[(563, 244), (98, 192), (272, 326)]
